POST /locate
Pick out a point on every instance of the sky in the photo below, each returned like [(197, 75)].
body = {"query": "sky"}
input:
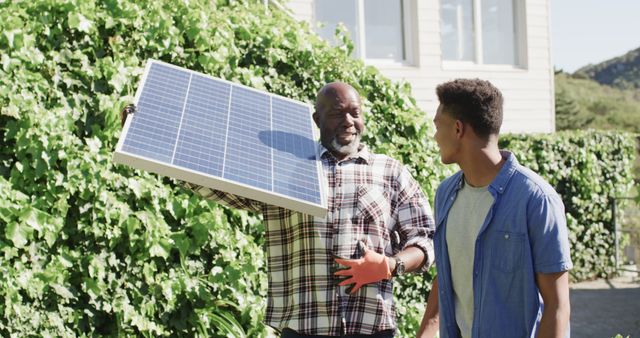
[(592, 31)]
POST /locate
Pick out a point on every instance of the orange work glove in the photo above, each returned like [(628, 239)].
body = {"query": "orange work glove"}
[(371, 268)]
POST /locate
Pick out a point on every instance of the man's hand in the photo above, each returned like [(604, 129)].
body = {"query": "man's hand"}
[(371, 268), (431, 318), (129, 109)]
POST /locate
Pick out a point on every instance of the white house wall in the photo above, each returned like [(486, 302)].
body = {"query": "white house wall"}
[(528, 91)]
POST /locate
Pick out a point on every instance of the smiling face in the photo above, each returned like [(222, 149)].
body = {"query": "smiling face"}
[(339, 117), (447, 135)]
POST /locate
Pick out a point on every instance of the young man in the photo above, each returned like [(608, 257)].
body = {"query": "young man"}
[(370, 197), (501, 236)]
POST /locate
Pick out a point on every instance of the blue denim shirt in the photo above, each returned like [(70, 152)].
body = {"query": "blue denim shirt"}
[(524, 233)]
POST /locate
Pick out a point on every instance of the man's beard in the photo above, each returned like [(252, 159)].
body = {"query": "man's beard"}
[(346, 149)]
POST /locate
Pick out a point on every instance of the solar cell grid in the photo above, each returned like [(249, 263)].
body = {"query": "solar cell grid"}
[(153, 133), (291, 173), (248, 159), (200, 145)]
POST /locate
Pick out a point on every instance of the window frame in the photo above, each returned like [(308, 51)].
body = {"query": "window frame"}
[(408, 10), (520, 43)]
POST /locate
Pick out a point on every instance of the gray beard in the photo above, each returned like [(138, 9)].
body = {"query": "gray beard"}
[(347, 149)]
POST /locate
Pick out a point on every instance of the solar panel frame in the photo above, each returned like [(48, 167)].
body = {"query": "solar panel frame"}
[(217, 182)]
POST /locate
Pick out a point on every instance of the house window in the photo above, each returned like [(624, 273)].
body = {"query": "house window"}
[(377, 27), (482, 31)]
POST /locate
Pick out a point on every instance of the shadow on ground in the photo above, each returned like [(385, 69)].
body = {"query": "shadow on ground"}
[(602, 309)]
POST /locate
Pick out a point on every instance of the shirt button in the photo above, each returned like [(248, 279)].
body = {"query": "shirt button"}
[(476, 272), (506, 236)]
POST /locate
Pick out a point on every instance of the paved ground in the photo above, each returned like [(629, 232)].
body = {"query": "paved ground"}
[(604, 308)]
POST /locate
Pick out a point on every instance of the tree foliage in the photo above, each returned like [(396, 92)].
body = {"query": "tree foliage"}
[(569, 116)]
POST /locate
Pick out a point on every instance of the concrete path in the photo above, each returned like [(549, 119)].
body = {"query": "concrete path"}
[(604, 308)]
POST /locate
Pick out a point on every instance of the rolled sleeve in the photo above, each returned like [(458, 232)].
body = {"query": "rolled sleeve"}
[(226, 199), (415, 222), (549, 235)]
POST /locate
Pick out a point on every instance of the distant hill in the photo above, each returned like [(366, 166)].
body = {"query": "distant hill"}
[(621, 72), (583, 103)]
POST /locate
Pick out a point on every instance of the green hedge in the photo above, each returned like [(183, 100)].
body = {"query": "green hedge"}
[(89, 248), (92, 249), (588, 169)]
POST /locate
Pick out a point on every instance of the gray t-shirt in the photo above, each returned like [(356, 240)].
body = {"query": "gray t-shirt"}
[(466, 216)]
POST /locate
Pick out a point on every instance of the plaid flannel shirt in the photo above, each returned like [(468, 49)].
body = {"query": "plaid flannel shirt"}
[(370, 197)]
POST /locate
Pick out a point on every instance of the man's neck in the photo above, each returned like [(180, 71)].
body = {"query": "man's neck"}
[(481, 166)]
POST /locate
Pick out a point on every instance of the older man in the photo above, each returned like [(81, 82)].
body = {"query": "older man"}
[(370, 198)]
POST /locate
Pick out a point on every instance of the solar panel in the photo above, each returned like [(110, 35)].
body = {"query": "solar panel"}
[(225, 136)]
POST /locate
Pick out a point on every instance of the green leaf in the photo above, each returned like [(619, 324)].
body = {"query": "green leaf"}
[(18, 234), (80, 22), (182, 243), (62, 291), (160, 249)]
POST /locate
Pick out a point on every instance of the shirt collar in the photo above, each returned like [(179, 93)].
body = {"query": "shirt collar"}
[(499, 183), (363, 153)]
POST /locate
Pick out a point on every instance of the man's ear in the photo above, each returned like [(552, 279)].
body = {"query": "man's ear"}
[(460, 129), (316, 119)]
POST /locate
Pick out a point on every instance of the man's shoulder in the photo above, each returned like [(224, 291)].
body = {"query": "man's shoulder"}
[(528, 179), (381, 157), (384, 160)]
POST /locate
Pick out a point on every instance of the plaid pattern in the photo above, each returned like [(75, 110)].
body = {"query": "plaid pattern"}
[(370, 197)]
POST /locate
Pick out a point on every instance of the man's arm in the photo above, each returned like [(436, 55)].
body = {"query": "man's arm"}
[(412, 257), (227, 199), (431, 319), (548, 235), (554, 288), (415, 224)]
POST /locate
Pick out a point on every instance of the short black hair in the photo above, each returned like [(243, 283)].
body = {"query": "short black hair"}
[(473, 101)]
